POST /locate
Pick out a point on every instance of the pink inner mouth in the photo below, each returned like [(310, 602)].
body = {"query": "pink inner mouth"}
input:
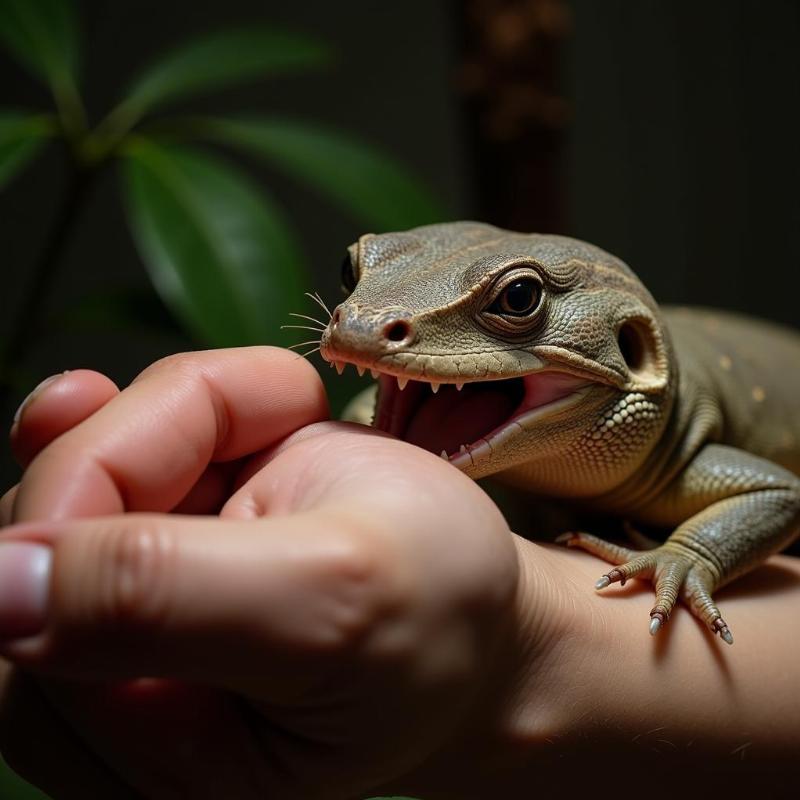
[(450, 418), (445, 421)]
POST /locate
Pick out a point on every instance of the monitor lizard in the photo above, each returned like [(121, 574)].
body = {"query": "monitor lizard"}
[(543, 361)]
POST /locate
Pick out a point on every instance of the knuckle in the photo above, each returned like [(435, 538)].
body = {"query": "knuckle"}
[(193, 372), (188, 364), (358, 593), (136, 567)]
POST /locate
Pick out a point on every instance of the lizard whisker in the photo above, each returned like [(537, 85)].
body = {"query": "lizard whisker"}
[(310, 352), (302, 344), (310, 319), (320, 302), (304, 327)]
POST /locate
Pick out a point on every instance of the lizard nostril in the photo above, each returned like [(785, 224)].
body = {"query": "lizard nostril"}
[(398, 331)]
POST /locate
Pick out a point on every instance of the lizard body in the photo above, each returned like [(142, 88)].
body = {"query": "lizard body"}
[(544, 362)]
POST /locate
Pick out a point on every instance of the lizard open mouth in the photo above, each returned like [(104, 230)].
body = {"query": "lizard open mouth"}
[(465, 422)]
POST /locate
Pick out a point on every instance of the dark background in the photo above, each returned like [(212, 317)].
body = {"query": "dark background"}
[(666, 132)]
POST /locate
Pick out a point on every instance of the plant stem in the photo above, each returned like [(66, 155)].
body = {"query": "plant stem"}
[(71, 112), (29, 309)]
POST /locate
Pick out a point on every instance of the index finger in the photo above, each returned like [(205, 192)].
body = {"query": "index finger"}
[(145, 449)]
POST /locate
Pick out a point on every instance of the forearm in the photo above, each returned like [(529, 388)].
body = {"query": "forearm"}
[(701, 695), (608, 707)]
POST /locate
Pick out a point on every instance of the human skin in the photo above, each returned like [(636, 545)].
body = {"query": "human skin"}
[(357, 620)]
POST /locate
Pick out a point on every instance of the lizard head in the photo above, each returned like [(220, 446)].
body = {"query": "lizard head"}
[(505, 352)]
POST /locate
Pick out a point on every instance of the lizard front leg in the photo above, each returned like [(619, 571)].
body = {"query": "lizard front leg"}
[(737, 510)]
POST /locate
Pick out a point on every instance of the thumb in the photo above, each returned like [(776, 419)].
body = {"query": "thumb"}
[(224, 602)]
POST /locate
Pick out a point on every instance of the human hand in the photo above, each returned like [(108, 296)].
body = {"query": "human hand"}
[(318, 639), (327, 632)]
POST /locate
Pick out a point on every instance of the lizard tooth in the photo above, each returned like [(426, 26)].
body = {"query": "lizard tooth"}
[(360, 370), (402, 383), (339, 366), (374, 374), (434, 387), (462, 449), (444, 455), (459, 386)]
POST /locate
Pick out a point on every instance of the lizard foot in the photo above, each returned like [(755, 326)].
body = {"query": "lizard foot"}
[(672, 573)]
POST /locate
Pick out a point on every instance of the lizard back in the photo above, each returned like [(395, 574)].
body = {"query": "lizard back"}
[(752, 368)]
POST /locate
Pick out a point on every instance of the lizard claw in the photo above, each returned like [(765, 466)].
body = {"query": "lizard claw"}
[(655, 624), (719, 626), (657, 619), (615, 576)]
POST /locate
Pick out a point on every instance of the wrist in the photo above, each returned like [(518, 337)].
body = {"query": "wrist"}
[(583, 697), (618, 704), (524, 707)]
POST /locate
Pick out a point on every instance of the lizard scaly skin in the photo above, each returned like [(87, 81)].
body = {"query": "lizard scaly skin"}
[(577, 385)]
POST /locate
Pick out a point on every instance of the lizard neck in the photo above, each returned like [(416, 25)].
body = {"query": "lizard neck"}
[(694, 420), (626, 448), (598, 461)]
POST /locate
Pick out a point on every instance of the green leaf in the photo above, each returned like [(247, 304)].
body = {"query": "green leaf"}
[(21, 137), (43, 35), (217, 249), (375, 188), (218, 60)]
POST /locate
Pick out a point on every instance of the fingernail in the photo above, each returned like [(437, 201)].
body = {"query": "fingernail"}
[(24, 588), (27, 401)]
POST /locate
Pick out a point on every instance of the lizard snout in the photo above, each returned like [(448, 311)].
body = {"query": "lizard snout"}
[(357, 331)]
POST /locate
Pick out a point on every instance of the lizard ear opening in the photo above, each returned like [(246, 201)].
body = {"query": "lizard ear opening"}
[(638, 348)]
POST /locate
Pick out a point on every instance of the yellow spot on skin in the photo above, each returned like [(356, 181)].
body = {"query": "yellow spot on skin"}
[(725, 362), (758, 394)]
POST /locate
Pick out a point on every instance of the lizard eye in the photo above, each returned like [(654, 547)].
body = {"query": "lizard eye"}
[(519, 299), (349, 275)]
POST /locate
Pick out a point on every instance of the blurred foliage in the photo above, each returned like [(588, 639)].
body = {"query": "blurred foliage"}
[(219, 251), (14, 788)]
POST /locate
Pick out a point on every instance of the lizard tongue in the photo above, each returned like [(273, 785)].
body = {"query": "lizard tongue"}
[(450, 418)]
